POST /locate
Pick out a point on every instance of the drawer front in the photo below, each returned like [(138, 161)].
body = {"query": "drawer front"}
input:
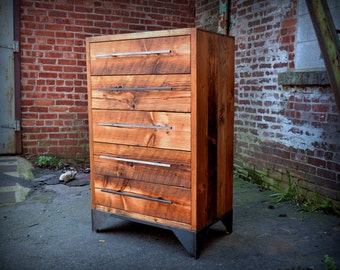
[(142, 92), (155, 200), (150, 129), (167, 167), (161, 55)]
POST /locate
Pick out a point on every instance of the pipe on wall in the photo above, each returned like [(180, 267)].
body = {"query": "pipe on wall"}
[(224, 17)]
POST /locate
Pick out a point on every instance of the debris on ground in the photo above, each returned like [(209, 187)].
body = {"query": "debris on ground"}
[(67, 176)]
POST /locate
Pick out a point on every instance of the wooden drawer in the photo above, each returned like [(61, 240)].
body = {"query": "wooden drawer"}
[(161, 55), (167, 167), (150, 129), (150, 199), (142, 92)]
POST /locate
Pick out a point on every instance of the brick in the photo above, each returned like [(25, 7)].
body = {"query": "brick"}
[(316, 162), (289, 22), (328, 174), (44, 102), (320, 108), (48, 116)]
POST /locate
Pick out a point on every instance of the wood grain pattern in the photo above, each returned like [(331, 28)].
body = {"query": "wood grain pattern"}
[(214, 128), (176, 195), (175, 100), (225, 127), (178, 82), (141, 35), (174, 211), (152, 219), (177, 61), (179, 174), (89, 100), (178, 137)]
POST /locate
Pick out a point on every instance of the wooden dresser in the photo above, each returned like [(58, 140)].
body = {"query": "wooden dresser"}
[(161, 110)]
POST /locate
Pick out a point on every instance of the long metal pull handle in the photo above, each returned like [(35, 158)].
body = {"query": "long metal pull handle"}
[(134, 88), (133, 53), (118, 192), (133, 125), (159, 164)]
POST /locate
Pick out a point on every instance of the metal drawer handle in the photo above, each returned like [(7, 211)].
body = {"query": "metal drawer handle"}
[(118, 192), (137, 161), (133, 53), (134, 88), (133, 125)]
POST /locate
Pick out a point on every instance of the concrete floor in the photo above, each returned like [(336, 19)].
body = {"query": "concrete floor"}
[(51, 229), (14, 173)]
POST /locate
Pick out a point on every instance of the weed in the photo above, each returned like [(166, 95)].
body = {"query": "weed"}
[(292, 194), (315, 205), (48, 162), (330, 264)]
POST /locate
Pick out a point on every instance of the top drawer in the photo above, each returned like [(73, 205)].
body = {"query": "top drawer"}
[(162, 55)]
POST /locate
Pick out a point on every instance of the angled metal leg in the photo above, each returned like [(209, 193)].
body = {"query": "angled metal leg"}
[(227, 220), (191, 241), (98, 219)]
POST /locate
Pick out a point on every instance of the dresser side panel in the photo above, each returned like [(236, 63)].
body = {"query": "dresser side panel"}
[(194, 147), (214, 126), (225, 125), (203, 70), (89, 109)]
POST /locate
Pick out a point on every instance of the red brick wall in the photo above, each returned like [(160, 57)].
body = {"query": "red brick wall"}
[(53, 71), (283, 135)]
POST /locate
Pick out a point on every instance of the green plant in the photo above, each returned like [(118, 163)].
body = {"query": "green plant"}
[(49, 162), (330, 264), (282, 197), (292, 194), (315, 205)]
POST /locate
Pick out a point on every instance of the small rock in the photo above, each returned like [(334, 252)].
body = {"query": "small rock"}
[(67, 176), (78, 183), (53, 181), (270, 206), (282, 215)]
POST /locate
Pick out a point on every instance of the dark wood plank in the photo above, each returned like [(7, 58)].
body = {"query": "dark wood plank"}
[(177, 61), (179, 174), (175, 211), (178, 137), (195, 147), (89, 100), (170, 101), (177, 99), (214, 126), (176, 195), (202, 180), (178, 82), (225, 126)]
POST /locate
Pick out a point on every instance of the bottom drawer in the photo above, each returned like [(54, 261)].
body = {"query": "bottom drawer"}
[(136, 203)]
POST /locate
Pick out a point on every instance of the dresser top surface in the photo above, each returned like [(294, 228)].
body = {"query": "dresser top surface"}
[(149, 34)]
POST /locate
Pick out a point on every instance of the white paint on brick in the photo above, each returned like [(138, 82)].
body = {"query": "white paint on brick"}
[(302, 136), (261, 99), (303, 141)]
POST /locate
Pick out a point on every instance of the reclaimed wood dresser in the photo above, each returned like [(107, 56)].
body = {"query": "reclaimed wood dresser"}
[(161, 110)]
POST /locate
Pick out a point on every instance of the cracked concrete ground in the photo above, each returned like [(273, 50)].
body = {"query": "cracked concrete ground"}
[(51, 229)]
